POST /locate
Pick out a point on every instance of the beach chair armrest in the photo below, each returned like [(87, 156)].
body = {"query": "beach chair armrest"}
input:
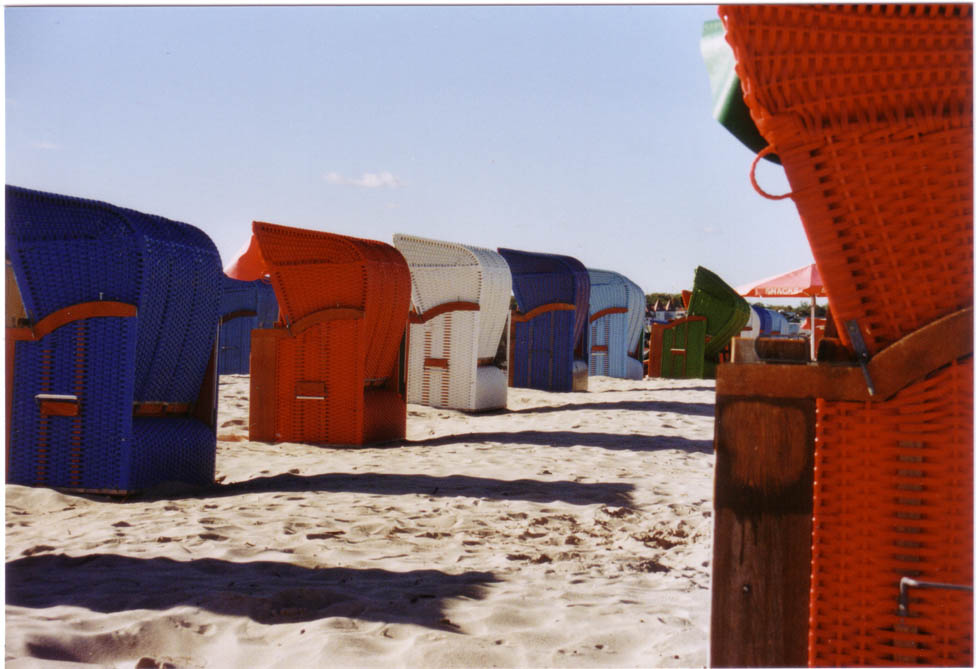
[(76, 312)]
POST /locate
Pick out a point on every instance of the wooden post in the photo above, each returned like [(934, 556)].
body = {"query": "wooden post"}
[(763, 516)]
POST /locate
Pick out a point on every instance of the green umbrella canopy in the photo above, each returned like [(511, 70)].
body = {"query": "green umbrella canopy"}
[(728, 107)]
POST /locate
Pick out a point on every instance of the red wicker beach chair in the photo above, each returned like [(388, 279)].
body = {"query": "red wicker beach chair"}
[(332, 371), (870, 110)]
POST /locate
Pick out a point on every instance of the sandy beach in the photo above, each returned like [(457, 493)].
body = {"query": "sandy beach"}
[(570, 530)]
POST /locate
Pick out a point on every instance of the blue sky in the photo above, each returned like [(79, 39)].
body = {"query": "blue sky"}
[(566, 129)]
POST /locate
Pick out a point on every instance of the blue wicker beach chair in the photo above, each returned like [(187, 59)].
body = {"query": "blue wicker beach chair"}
[(549, 329), (765, 320), (244, 306), (617, 307), (110, 373)]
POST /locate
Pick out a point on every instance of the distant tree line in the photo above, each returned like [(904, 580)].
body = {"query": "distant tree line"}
[(802, 310), (652, 298)]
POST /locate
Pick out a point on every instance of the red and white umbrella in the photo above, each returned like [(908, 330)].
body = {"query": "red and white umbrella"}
[(801, 282)]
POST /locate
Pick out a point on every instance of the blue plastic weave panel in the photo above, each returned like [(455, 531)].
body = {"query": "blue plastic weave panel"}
[(235, 345), (765, 320), (235, 334), (90, 246), (177, 312), (172, 449), (256, 296), (540, 278), (544, 278), (543, 352), (67, 251), (99, 353), (543, 347), (581, 298)]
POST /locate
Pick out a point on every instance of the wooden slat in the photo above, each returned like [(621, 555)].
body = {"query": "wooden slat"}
[(263, 401), (777, 348), (519, 317), (606, 312), (761, 546), (445, 308), (205, 406), (240, 313), (324, 316), (157, 409), (59, 407), (14, 305), (908, 360), (76, 312)]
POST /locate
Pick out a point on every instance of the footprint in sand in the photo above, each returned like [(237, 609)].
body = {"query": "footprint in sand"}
[(34, 550)]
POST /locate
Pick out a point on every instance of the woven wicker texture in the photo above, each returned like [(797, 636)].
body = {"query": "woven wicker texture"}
[(870, 109), (542, 347), (893, 492), (615, 336), (67, 252), (445, 350), (725, 310), (677, 349), (244, 306), (335, 380)]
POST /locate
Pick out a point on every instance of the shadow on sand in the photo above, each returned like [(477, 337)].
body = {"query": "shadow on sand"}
[(560, 439), (644, 389), (266, 592), (687, 408), (457, 485)]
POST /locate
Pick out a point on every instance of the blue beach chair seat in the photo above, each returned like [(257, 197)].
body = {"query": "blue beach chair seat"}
[(111, 373), (549, 330)]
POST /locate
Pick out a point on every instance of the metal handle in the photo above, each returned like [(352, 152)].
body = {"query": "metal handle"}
[(907, 583), (861, 349)]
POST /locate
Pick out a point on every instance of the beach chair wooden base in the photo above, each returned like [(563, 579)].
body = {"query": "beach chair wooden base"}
[(770, 423)]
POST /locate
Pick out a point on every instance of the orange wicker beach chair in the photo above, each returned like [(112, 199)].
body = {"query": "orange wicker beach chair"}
[(332, 370), (870, 110)]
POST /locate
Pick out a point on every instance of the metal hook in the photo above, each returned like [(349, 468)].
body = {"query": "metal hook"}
[(907, 583)]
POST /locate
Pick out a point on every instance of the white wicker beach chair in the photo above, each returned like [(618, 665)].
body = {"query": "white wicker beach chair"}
[(617, 307), (752, 327), (460, 310)]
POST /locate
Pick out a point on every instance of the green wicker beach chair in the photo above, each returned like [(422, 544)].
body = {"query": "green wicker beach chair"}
[(678, 348), (725, 310)]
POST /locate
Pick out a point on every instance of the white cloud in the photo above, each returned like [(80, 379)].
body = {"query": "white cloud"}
[(46, 146), (367, 180)]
